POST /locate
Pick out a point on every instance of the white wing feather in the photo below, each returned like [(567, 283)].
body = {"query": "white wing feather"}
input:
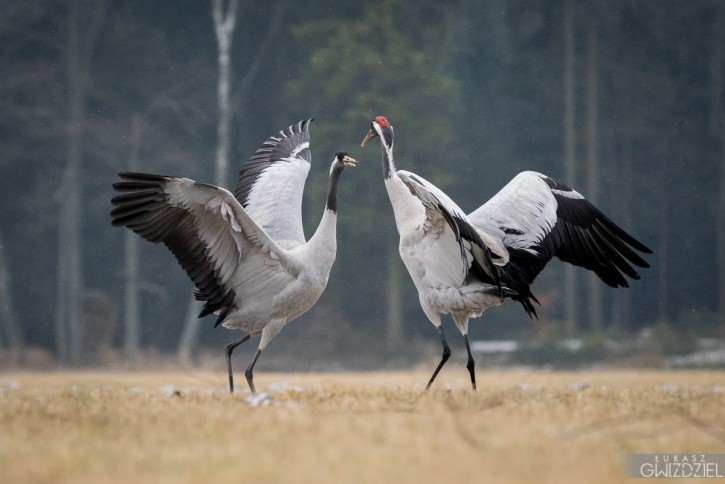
[(525, 206), (275, 200), (272, 181)]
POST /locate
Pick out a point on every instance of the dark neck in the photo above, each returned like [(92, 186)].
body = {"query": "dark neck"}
[(331, 204)]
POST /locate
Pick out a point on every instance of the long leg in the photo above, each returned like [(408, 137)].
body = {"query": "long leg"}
[(461, 320), (471, 365), (444, 357), (250, 369), (228, 352), (268, 333)]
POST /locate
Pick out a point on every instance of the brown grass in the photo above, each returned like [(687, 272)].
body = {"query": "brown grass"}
[(351, 428)]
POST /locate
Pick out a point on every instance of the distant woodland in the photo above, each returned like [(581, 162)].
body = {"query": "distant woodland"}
[(622, 100)]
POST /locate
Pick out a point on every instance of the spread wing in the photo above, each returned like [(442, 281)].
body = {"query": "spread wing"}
[(272, 181), (541, 218), (453, 249), (214, 240)]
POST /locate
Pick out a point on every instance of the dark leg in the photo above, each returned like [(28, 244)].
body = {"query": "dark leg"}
[(228, 352), (471, 365), (444, 357), (249, 374)]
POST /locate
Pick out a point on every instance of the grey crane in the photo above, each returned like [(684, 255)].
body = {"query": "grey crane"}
[(462, 264), (246, 253)]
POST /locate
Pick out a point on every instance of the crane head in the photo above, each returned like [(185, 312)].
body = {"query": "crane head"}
[(342, 159), (376, 127)]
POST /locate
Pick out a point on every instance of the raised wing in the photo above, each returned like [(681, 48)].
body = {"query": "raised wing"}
[(455, 245), (204, 227), (541, 218), (272, 181)]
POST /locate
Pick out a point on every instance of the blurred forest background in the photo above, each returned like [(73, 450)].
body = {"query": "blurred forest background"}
[(623, 100)]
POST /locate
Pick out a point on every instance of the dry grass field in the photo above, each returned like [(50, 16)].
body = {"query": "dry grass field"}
[(351, 428)]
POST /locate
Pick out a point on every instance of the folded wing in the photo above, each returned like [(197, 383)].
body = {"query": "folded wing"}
[(454, 249)]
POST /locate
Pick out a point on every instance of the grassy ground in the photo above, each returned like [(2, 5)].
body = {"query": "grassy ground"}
[(351, 428)]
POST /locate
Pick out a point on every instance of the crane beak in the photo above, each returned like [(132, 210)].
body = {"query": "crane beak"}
[(348, 161), (372, 134)]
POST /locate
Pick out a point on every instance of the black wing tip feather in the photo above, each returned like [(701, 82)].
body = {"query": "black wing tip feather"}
[(517, 276), (615, 246), (139, 193), (142, 207), (265, 152), (527, 299), (298, 127), (215, 303), (527, 302), (132, 176), (273, 149), (625, 236), (584, 236), (267, 149)]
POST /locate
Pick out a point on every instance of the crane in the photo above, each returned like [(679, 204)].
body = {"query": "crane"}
[(246, 253), (462, 264)]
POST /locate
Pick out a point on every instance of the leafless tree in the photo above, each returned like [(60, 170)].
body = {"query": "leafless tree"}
[(570, 275), (131, 306), (717, 124), (9, 326), (84, 23), (230, 99), (592, 143), (225, 18)]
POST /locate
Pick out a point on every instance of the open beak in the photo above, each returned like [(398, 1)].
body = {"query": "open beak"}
[(372, 134), (349, 161)]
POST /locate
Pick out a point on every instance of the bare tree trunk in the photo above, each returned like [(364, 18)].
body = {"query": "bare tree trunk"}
[(662, 252), (84, 23), (224, 22), (70, 271), (721, 232), (595, 288), (717, 125), (131, 307), (61, 297), (625, 198), (394, 304), (241, 92), (570, 274), (9, 326), (717, 71), (190, 334)]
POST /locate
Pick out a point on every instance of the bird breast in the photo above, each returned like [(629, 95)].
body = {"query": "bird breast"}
[(290, 301), (408, 210), (303, 294)]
